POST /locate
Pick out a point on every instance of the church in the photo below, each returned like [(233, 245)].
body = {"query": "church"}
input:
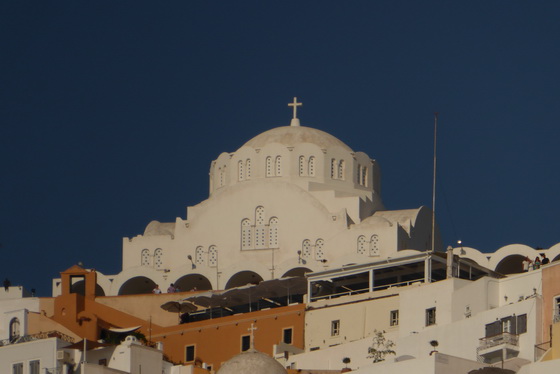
[(291, 200)]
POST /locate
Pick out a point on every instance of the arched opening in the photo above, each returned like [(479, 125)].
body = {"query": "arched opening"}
[(14, 329), (296, 272), (137, 285), (79, 288), (193, 282), (243, 278), (512, 264), (555, 258)]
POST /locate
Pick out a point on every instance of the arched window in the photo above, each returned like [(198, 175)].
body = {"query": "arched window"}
[(319, 252), (269, 166), (14, 329), (364, 176), (361, 249), (212, 256), (359, 176), (145, 258), (273, 233), (260, 229), (248, 169), (333, 168), (158, 260), (306, 248), (311, 168), (374, 245), (199, 255), (301, 166), (240, 171), (341, 169), (278, 165), (246, 237)]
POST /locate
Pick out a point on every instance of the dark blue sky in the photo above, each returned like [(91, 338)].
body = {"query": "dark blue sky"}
[(111, 112)]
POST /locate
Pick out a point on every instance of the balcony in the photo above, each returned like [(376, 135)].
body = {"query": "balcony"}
[(499, 347)]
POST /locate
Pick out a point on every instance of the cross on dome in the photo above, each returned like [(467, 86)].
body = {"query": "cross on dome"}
[(252, 330), (295, 104)]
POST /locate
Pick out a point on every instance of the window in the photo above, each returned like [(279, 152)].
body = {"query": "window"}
[(246, 237), (319, 252), (333, 168), (394, 318), (311, 170), (287, 335), (341, 169), (212, 256), (245, 343), (306, 248), (361, 247), (430, 316), (278, 165), (301, 166), (102, 362), (374, 245), (158, 261), (14, 329), (17, 368), (269, 166), (248, 169), (506, 325), (189, 353), (34, 367), (241, 173), (145, 257), (199, 255), (273, 233), (260, 228), (521, 324), (335, 327)]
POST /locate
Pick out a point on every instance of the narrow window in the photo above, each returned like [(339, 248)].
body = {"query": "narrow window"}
[(14, 329), (246, 237), (34, 367), (301, 166), (364, 176), (306, 248), (333, 168), (245, 343), (17, 368), (522, 324), (158, 260), (273, 233), (319, 252), (341, 169), (248, 169), (199, 255), (374, 245), (278, 166), (430, 316), (287, 335), (506, 325), (260, 229), (311, 166), (335, 327), (269, 166), (212, 256), (394, 318), (361, 245), (240, 171), (189, 353), (145, 257)]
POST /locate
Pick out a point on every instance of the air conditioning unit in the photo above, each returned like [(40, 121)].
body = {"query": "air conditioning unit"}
[(62, 356)]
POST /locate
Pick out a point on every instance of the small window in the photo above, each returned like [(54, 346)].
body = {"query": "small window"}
[(335, 327), (522, 324), (102, 362), (34, 367), (430, 316), (189, 353), (245, 343), (17, 368), (287, 335), (394, 318)]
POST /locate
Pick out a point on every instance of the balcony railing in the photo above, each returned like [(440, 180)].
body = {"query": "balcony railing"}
[(40, 335), (503, 338)]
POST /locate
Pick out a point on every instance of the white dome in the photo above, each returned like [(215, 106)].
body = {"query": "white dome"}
[(253, 362), (293, 135)]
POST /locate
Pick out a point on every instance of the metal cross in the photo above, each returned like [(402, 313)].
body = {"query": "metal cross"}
[(252, 330), (295, 104)]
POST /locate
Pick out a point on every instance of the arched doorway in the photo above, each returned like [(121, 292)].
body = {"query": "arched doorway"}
[(296, 272), (14, 329), (193, 282), (511, 264), (242, 278), (79, 288), (137, 285)]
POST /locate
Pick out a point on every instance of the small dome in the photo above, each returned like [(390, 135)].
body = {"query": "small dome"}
[(253, 362), (293, 135)]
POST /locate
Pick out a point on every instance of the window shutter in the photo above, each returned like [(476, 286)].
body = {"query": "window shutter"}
[(493, 329), (521, 324)]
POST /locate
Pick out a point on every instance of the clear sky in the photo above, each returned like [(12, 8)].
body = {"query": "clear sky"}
[(111, 112)]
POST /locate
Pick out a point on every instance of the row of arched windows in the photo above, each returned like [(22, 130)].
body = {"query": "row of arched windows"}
[(337, 169), (309, 250), (209, 256), (274, 166), (149, 259), (260, 233), (306, 166), (368, 247)]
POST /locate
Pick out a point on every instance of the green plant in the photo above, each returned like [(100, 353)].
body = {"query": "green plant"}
[(380, 347)]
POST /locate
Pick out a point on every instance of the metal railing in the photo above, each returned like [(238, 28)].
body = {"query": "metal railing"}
[(37, 336), (364, 290), (503, 338)]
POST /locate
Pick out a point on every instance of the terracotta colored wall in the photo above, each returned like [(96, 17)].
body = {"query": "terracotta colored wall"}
[(219, 339), (550, 289)]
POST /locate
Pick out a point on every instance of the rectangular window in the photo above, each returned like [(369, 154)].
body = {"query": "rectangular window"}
[(245, 343), (522, 324), (430, 316), (189, 353), (394, 318), (287, 336), (34, 366), (17, 368), (335, 328)]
